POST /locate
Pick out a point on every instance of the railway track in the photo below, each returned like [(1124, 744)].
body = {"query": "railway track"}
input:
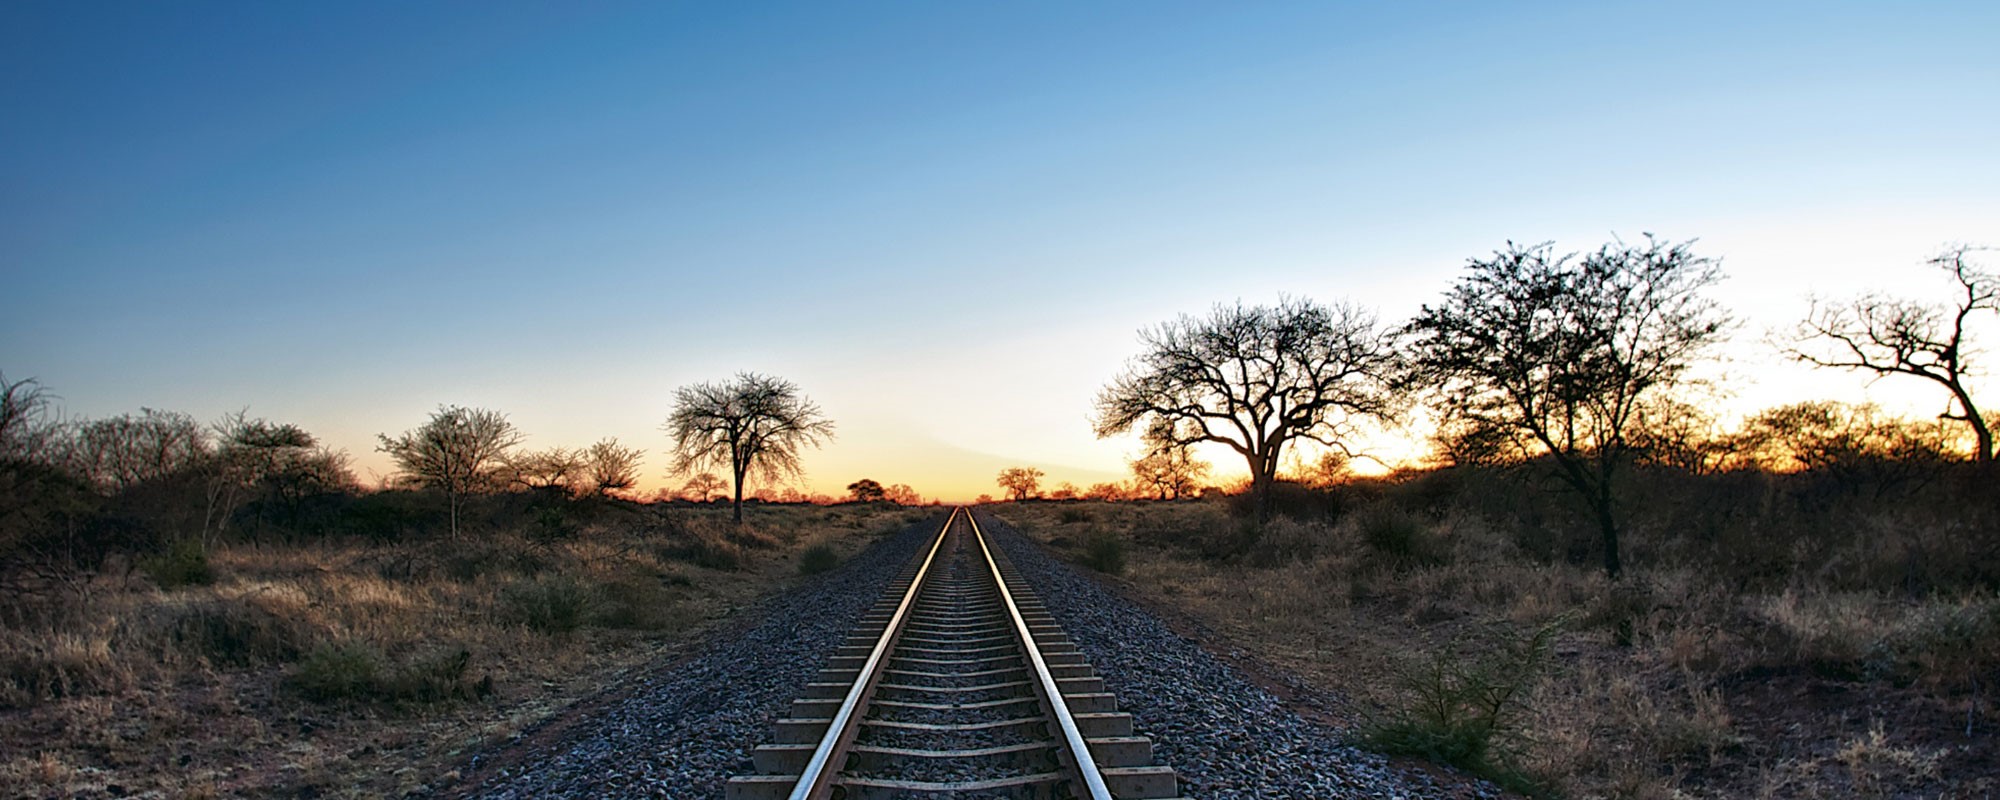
[(956, 684)]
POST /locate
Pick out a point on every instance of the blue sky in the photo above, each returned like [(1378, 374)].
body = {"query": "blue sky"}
[(944, 220)]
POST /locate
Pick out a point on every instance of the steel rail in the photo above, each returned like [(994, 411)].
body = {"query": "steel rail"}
[(1073, 740), (814, 782)]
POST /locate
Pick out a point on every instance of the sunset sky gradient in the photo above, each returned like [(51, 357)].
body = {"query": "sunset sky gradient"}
[(944, 221)]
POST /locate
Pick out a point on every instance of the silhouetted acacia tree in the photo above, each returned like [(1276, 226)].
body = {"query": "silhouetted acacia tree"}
[(610, 467), (866, 491), (1537, 354), (1890, 336), (1021, 482), (458, 452), (901, 494), (753, 422), (1255, 378), (271, 463)]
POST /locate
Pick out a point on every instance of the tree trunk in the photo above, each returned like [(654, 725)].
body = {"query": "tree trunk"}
[(1260, 493), (737, 513), (1607, 526)]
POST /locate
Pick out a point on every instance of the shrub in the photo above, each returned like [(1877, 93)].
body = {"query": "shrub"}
[(704, 551), (1399, 538), (1466, 711), (641, 603), (817, 559), (183, 564), (1285, 540), (435, 676), (338, 671), (358, 671), (1071, 516), (552, 524), (51, 665), (238, 632), (551, 605), (1104, 551)]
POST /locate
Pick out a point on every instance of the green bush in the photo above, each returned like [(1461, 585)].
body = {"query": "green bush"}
[(1104, 551), (552, 524), (1399, 538), (559, 604), (1465, 710), (183, 564), (339, 671), (817, 559), (358, 671)]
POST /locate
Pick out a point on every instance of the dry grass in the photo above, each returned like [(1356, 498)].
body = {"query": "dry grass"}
[(1728, 690), (359, 670)]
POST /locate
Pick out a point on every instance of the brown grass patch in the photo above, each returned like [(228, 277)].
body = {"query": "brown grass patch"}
[(358, 669)]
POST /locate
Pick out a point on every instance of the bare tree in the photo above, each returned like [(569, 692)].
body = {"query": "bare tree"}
[(753, 422), (120, 452), (1021, 482), (24, 428), (1169, 472), (1890, 336), (611, 467), (457, 452), (1538, 354), (554, 468), (866, 491), (901, 494), (1255, 379)]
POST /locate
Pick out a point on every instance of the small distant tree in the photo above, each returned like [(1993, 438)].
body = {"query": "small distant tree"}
[(1063, 491), (866, 491), (1255, 379), (458, 452), (1889, 336), (1021, 483), (754, 422), (901, 494), (704, 487), (1852, 446), (609, 467), (1169, 472), (1535, 354), (984, 499), (1104, 491)]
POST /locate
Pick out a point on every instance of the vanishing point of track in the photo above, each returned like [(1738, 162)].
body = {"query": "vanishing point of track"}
[(956, 684)]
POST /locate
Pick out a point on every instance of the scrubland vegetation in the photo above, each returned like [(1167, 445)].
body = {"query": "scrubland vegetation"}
[(197, 611), (1830, 632)]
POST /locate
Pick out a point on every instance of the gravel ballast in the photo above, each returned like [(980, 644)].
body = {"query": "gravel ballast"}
[(689, 727)]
